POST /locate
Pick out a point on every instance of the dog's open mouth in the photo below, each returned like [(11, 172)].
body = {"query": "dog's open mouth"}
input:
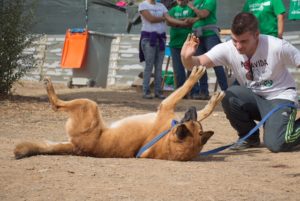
[(190, 115)]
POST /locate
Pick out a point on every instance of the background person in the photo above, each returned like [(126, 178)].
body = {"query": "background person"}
[(206, 29), (178, 35), (270, 15), (152, 44), (259, 63), (294, 10)]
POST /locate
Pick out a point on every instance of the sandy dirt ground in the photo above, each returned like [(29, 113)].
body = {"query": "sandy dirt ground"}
[(253, 174)]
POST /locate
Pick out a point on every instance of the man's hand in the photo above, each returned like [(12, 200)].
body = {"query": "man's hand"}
[(190, 46), (188, 50)]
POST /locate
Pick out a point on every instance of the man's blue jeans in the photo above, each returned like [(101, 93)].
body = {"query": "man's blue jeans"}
[(179, 70), (206, 43), (153, 57)]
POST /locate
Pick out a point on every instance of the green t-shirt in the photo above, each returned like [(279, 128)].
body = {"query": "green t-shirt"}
[(179, 34), (266, 12), (294, 11), (211, 19)]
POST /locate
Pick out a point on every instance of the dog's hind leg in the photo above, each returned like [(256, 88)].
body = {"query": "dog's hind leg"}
[(60, 105), (171, 101), (84, 114), (210, 106), (26, 149), (55, 102)]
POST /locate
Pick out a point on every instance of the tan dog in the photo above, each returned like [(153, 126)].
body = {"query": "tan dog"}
[(89, 136)]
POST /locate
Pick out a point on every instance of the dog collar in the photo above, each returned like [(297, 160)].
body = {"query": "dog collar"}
[(155, 139)]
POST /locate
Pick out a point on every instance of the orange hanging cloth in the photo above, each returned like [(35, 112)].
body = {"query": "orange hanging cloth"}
[(75, 48)]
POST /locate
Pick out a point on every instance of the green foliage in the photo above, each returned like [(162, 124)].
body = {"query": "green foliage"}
[(16, 20)]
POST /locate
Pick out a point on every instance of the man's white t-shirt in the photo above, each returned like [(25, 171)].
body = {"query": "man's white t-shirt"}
[(158, 10), (272, 80)]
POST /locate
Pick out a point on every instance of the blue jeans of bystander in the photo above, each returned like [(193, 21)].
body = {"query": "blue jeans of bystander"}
[(179, 70), (153, 57)]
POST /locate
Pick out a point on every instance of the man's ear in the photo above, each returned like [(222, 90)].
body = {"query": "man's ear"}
[(257, 34), (182, 131), (205, 136)]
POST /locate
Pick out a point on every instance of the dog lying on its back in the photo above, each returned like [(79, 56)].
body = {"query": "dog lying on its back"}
[(89, 136)]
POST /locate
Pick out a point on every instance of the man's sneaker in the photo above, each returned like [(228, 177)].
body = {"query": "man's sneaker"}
[(249, 143), (147, 96)]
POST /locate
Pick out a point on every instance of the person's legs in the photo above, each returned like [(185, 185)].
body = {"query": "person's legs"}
[(203, 86), (210, 42), (194, 93), (158, 62), (149, 53), (221, 77), (203, 82), (179, 70), (281, 132), (240, 107)]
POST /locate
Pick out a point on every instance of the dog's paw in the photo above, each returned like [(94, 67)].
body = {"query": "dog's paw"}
[(22, 150), (197, 72), (47, 81), (217, 97)]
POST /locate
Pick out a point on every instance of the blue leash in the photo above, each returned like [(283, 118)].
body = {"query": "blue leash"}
[(219, 149), (154, 140)]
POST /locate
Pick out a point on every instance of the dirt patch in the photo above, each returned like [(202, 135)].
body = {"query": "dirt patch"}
[(254, 174)]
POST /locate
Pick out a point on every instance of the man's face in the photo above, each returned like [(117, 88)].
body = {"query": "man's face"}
[(246, 43), (182, 2)]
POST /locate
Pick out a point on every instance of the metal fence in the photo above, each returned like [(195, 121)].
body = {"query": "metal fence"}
[(56, 16)]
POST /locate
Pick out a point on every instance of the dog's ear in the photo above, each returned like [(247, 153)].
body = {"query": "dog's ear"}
[(182, 131), (205, 135)]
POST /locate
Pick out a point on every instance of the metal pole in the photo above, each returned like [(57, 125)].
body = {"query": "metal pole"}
[(86, 14), (1, 6)]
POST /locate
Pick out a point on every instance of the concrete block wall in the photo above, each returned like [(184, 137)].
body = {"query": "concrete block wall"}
[(48, 51), (124, 60)]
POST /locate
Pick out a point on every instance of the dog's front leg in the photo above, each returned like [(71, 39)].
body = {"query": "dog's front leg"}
[(171, 101), (26, 149), (210, 106)]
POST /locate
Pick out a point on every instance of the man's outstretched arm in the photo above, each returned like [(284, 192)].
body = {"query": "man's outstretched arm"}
[(187, 54)]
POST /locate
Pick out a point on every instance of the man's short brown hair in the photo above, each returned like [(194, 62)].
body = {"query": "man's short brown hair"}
[(244, 22)]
